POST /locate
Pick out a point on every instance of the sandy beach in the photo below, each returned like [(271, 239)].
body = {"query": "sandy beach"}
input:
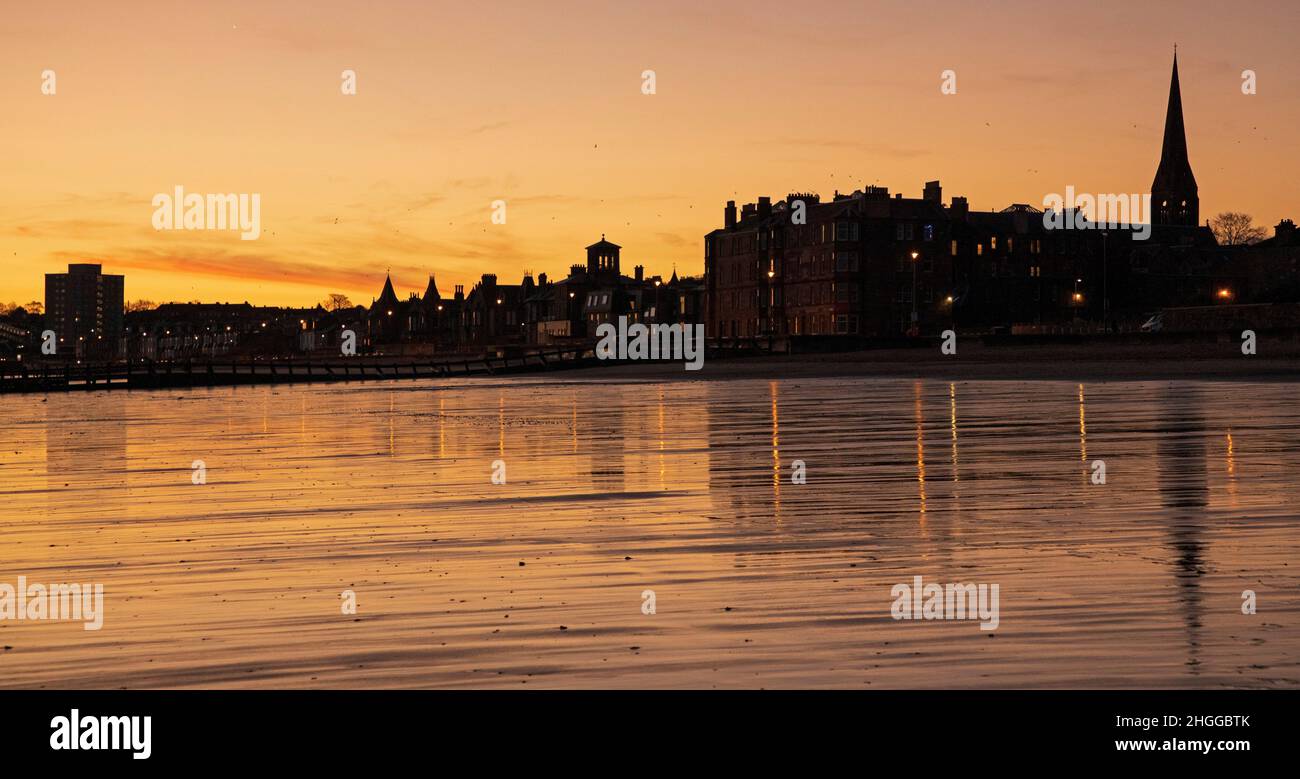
[(616, 487), (1127, 360)]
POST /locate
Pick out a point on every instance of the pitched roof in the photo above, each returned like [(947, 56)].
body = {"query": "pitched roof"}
[(1175, 170), (388, 296)]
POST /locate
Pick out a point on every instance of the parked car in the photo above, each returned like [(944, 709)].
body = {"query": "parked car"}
[(1153, 325)]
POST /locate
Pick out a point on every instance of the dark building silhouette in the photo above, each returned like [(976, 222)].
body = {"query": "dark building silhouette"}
[(84, 308), (597, 293), (1273, 265), (869, 264), (1174, 198), (875, 264), (389, 317), (495, 312), (537, 311), (184, 331)]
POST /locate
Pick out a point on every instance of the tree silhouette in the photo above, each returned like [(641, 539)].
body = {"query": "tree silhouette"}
[(1232, 228), (337, 302)]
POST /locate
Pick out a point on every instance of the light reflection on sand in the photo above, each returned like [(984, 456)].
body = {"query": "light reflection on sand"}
[(680, 487)]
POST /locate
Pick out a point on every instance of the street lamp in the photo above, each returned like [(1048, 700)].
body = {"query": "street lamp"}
[(915, 255)]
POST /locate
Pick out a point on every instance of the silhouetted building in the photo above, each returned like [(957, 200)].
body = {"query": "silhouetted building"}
[(868, 264), (182, 331), (495, 312), (597, 292), (1272, 266), (1174, 197), (860, 264), (84, 308)]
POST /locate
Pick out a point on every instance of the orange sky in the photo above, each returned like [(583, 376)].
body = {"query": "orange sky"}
[(540, 104)]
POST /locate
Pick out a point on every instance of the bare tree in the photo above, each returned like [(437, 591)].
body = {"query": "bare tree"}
[(337, 302), (140, 305), (35, 307), (1232, 228)]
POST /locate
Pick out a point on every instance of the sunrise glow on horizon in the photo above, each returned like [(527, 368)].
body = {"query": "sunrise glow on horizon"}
[(541, 106)]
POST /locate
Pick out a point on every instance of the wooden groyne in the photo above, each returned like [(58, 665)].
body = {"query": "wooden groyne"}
[(149, 374)]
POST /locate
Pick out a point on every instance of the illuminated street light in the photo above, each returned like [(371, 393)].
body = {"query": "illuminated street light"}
[(915, 327)]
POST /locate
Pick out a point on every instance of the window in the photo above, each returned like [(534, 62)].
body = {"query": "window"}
[(954, 248), (846, 262), (993, 243), (979, 250), (846, 231), (929, 232)]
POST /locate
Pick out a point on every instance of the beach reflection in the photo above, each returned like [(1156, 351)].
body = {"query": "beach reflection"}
[(688, 489)]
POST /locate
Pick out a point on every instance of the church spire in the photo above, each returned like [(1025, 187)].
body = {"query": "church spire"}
[(1174, 193)]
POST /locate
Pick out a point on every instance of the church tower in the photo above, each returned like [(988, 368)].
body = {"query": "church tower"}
[(602, 259), (1174, 199)]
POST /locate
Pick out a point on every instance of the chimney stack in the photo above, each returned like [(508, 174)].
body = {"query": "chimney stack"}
[(764, 207), (730, 214), (640, 272), (959, 208), (933, 192)]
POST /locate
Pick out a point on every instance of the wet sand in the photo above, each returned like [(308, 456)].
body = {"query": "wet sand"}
[(682, 487), (1276, 359)]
